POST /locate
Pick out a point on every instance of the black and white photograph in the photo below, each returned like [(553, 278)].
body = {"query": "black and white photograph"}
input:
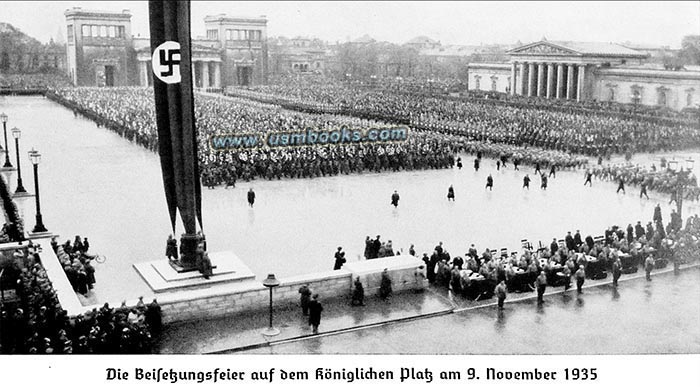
[(265, 179)]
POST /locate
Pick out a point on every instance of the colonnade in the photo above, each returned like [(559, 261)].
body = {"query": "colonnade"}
[(210, 72), (548, 80)]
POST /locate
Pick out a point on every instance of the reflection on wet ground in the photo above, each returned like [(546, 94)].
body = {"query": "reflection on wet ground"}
[(639, 317)]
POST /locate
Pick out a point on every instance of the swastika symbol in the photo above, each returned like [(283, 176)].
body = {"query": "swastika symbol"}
[(167, 58), (166, 62)]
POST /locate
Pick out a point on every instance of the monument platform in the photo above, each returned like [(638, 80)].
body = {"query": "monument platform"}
[(162, 277)]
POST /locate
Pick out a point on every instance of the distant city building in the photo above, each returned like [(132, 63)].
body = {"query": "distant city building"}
[(297, 55), (20, 53), (585, 71), (102, 52)]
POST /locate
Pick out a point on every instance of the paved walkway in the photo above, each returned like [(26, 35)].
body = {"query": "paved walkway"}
[(244, 331)]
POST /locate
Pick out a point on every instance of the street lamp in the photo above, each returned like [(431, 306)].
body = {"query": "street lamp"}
[(16, 133), (3, 118), (271, 282), (35, 158)]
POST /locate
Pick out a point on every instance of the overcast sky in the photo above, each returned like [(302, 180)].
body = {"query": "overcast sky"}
[(655, 23)]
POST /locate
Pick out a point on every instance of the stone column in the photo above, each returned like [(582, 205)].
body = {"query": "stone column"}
[(194, 76), (581, 83), (540, 80), (570, 82), (143, 73), (522, 79), (205, 74), (560, 80), (217, 74), (531, 79), (512, 79), (550, 79)]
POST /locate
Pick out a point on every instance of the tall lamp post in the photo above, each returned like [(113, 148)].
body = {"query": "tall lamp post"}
[(3, 118), (35, 158), (683, 180), (271, 282), (16, 133)]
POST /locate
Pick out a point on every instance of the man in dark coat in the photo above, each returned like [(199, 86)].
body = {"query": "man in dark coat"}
[(630, 233), (489, 182), (395, 199), (376, 245), (554, 246), (648, 267), (639, 230), (541, 285), (251, 197), (358, 293), (580, 278), (577, 239), (501, 293), (616, 271), (620, 186), (570, 244), (171, 248), (315, 309), (305, 299), (339, 259), (526, 181)]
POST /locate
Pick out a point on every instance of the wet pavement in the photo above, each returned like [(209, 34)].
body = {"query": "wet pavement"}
[(639, 317), (96, 184), (245, 329)]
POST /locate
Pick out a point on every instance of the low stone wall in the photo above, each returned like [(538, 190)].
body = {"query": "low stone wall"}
[(406, 274)]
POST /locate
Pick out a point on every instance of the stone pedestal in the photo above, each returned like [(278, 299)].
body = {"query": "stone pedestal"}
[(162, 277)]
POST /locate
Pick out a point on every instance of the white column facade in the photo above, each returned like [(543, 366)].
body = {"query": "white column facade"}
[(560, 80), (512, 78), (143, 73), (581, 83), (522, 79), (570, 82), (205, 74), (531, 79), (540, 80), (217, 74), (194, 75), (550, 79)]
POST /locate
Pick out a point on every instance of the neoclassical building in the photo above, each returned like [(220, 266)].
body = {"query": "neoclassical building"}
[(101, 51), (585, 71)]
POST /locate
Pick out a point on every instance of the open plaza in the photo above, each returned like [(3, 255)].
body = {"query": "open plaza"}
[(128, 233)]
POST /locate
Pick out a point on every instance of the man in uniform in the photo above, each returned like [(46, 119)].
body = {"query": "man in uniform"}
[(588, 181), (616, 271), (649, 266), (395, 199), (644, 190), (620, 186), (541, 285), (489, 182), (526, 182), (251, 197), (315, 309), (580, 278), (339, 259), (501, 293)]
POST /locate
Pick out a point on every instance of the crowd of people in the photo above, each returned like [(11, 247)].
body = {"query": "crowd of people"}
[(131, 112), (660, 179), (13, 228), (616, 251), (34, 81), (583, 131), (35, 323), (76, 262)]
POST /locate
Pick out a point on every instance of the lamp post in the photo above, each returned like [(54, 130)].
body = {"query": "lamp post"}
[(35, 158), (16, 133), (3, 118), (271, 282)]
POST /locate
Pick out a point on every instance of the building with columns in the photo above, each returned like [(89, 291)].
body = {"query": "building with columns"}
[(102, 52), (585, 71)]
